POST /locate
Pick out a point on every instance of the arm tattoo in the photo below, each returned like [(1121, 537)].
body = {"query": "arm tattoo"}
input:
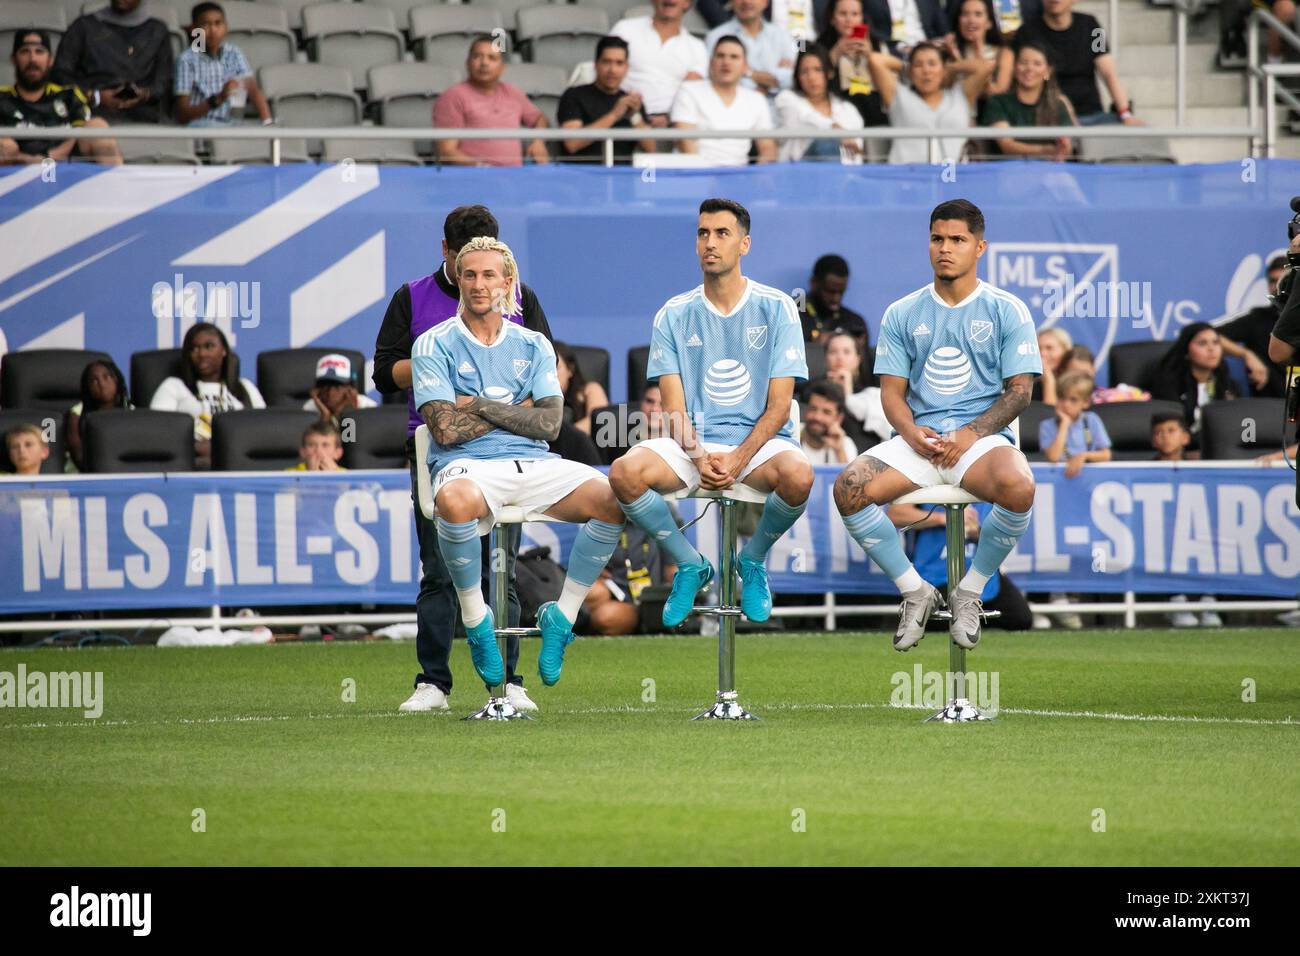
[(541, 420), (450, 425), (1013, 400)]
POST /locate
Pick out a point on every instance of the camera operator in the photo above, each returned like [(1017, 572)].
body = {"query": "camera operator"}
[(1284, 342)]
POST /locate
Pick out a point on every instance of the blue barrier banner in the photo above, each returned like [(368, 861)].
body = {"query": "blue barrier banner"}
[(261, 540), (123, 259)]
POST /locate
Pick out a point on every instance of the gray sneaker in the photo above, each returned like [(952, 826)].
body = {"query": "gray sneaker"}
[(913, 613), (964, 629)]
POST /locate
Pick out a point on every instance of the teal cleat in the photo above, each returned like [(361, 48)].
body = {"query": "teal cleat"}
[(483, 650), (557, 634), (688, 582), (755, 595)]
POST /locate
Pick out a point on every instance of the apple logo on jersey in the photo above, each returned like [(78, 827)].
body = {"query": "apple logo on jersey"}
[(496, 393), (947, 370), (727, 382)]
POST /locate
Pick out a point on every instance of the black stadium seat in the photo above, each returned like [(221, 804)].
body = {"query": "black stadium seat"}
[(638, 359), (1241, 428), (260, 439), (611, 430), (44, 378), (374, 437), (285, 377), (42, 418), (1129, 426), (138, 441), (149, 369), (593, 362), (1135, 363), (1030, 419)]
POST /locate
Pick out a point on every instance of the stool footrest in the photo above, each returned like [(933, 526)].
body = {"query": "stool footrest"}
[(946, 615), (517, 632), (718, 610)]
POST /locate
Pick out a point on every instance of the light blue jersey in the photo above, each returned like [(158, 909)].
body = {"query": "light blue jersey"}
[(726, 361), (447, 361), (955, 358)]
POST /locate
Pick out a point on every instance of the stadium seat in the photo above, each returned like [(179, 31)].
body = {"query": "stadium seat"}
[(20, 14), (285, 377), (6, 72), (261, 30), (1241, 428), (638, 360), (389, 151), (441, 33), (150, 150), (615, 9), (1144, 149), (354, 36), (311, 94), (292, 9), (509, 9), (260, 439), (158, 9), (1030, 419), (560, 35), (374, 437), (593, 362), (815, 355), (42, 418), (403, 95), (1135, 363), (401, 9), (542, 84), (613, 422), (138, 441), (694, 23), (1129, 426), (148, 369), (44, 378), (223, 152)]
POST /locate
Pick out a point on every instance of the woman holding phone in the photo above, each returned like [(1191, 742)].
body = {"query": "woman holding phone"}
[(846, 36)]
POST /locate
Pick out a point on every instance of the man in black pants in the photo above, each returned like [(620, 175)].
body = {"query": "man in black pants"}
[(416, 307)]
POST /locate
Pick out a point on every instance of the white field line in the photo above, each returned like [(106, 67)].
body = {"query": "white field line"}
[(628, 709)]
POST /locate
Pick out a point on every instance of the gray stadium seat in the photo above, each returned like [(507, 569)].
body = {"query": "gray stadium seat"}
[(149, 150), (311, 94), (377, 439), (561, 35), (6, 72), (157, 9), (1224, 423), (261, 30), (44, 378), (507, 8), (401, 9), (1135, 363), (1129, 426), (293, 10), (260, 439), (543, 84), (20, 14), (1143, 149), (616, 9), (404, 93), (140, 440), (285, 377), (390, 151), (224, 152), (694, 23), (355, 36), (441, 33), (42, 418)]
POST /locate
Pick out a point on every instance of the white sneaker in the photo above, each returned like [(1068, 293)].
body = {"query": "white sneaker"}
[(1289, 618), (1210, 618), (1042, 622), (1069, 620), (517, 696), (426, 697), (1184, 619)]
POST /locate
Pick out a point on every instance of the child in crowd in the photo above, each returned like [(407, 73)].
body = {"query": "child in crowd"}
[(321, 449), (335, 393), (1170, 437), (103, 388), (214, 83), (26, 447), (1074, 432)]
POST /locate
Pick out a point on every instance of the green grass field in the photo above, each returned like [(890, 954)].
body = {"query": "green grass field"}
[(287, 772)]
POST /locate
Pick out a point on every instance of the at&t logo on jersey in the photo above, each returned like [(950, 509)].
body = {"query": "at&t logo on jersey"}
[(947, 370), (496, 393), (727, 382)]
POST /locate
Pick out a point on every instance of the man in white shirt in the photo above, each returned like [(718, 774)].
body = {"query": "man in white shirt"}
[(769, 49), (798, 18), (661, 56), (720, 102), (822, 436)]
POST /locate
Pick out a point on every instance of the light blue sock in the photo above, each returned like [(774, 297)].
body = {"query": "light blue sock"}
[(651, 514), (462, 553), (998, 535), (778, 518), (591, 551), (879, 538)]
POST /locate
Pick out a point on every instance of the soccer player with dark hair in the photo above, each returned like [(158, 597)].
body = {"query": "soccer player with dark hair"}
[(956, 361), (726, 355)]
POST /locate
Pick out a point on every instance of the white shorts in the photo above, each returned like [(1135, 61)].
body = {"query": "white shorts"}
[(897, 453), (681, 464), (531, 484)]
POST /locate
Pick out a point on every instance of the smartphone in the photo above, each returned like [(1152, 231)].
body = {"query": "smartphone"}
[(859, 32), (128, 91)]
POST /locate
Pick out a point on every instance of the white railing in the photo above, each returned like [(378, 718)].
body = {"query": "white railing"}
[(1265, 75)]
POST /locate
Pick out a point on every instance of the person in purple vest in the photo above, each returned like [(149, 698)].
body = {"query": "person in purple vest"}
[(415, 308)]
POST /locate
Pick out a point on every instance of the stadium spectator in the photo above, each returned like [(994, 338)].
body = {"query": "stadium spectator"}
[(321, 448), (122, 58), (661, 56), (214, 82), (1233, 26), (814, 102), (32, 100), (1080, 55), (335, 392), (207, 386), (865, 421), (1074, 433), (103, 388), (720, 102), (1246, 337), (484, 101), (1009, 14), (604, 104), (1171, 438), (977, 38), (847, 40), (26, 448), (796, 17), (1194, 373), (652, 411), (769, 50), (822, 436), (823, 308), (1284, 340), (1279, 455), (1053, 345), (927, 103), (906, 22), (626, 598), (581, 397), (929, 554), (1033, 100)]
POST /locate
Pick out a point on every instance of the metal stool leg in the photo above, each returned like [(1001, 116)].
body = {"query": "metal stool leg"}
[(959, 709), (727, 706), (498, 706)]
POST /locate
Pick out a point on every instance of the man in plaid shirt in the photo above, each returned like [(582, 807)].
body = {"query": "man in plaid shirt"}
[(213, 82)]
